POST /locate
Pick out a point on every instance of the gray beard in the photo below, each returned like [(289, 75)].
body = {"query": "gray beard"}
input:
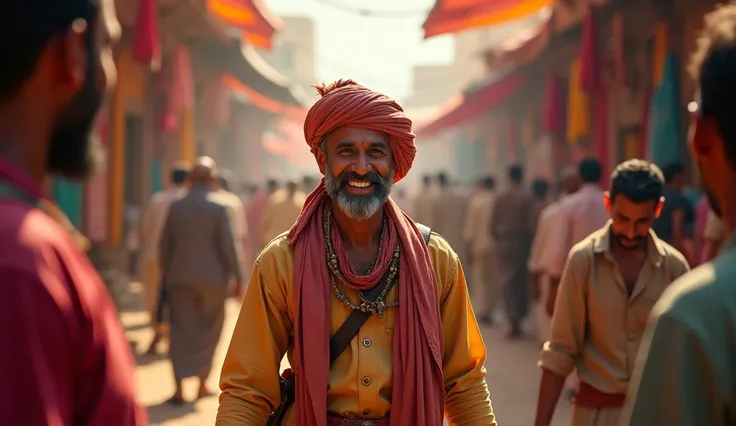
[(358, 207)]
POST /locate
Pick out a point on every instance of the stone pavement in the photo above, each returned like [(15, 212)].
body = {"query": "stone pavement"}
[(512, 378)]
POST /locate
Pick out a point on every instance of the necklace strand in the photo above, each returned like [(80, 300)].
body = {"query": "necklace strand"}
[(378, 306)]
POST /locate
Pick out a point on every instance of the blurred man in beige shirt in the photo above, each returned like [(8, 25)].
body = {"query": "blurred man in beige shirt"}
[(448, 208), (570, 183), (236, 212), (152, 226), (421, 209), (579, 215), (480, 246), (281, 212), (610, 283)]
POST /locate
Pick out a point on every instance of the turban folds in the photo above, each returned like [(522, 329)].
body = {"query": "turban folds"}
[(346, 103)]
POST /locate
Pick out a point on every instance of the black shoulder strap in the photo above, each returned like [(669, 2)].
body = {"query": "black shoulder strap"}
[(350, 328)]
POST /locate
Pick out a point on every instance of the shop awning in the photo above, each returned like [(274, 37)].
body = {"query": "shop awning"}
[(451, 16), (522, 48), (253, 17), (484, 99), (247, 73), (285, 139)]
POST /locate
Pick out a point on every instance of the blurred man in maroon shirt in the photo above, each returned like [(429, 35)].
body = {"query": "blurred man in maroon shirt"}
[(64, 359)]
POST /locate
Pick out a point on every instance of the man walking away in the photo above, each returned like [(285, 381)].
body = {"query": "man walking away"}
[(511, 228), (199, 256), (449, 208), (281, 211), (539, 276), (422, 202), (254, 215), (236, 212), (579, 215), (153, 224), (64, 360), (480, 246)]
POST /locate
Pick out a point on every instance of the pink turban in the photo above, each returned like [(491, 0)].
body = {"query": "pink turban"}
[(347, 103)]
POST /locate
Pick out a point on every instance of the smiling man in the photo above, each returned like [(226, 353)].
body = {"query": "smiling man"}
[(609, 285), (373, 313)]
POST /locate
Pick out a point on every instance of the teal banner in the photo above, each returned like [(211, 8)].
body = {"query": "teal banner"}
[(157, 177), (69, 197)]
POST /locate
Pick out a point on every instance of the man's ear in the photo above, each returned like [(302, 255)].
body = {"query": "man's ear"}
[(321, 159), (607, 201)]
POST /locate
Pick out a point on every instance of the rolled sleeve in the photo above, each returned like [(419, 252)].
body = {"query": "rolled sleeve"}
[(250, 374), (567, 333), (468, 401)]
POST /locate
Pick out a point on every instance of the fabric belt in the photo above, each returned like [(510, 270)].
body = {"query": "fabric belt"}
[(341, 421), (588, 396)]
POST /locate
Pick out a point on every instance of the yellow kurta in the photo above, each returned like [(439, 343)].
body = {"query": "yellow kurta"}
[(360, 381)]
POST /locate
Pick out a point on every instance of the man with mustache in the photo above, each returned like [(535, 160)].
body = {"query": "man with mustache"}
[(609, 285), (684, 374), (353, 254), (64, 359)]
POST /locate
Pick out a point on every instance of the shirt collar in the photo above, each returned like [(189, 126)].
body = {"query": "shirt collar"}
[(16, 177), (655, 250)]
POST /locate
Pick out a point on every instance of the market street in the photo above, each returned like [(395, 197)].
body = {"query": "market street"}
[(512, 378)]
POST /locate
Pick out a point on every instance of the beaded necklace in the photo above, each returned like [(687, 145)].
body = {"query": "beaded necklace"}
[(379, 306)]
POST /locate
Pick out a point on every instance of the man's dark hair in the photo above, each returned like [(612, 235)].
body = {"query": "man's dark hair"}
[(427, 180), (488, 182), (672, 170), (24, 37), (590, 170), (272, 185), (713, 67), (540, 187), (179, 174), (516, 173), (442, 179), (638, 180)]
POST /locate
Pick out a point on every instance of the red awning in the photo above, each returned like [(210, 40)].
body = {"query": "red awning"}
[(286, 139), (451, 16), (522, 48), (256, 20), (261, 101), (482, 100)]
